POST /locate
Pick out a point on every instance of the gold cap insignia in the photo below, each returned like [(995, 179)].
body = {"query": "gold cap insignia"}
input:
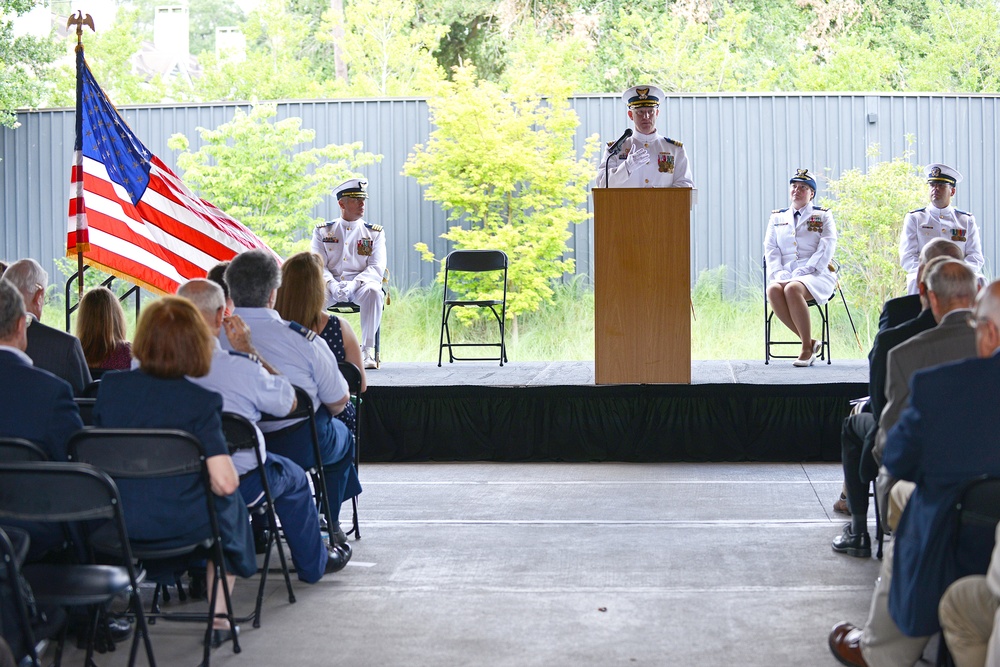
[(643, 93), (936, 172)]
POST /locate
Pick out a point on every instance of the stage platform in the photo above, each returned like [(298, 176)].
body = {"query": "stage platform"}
[(552, 411)]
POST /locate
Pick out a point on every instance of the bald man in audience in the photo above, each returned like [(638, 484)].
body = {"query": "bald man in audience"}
[(940, 445), (250, 387), (52, 350)]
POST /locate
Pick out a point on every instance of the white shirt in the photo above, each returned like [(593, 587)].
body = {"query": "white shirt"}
[(920, 227), (668, 165), (350, 250)]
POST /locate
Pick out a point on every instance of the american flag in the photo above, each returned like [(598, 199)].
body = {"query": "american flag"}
[(129, 214)]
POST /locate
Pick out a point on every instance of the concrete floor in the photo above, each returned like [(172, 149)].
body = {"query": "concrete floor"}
[(566, 564)]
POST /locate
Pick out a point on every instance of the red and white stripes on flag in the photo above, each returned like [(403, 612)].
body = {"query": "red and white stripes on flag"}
[(130, 215)]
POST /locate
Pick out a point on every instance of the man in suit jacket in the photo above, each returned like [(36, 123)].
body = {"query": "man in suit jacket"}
[(37, 406), (858, 432), (939, 445), (56, 351)]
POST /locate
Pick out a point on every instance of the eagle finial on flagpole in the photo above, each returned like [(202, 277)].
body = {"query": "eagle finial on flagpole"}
[(79, 20)]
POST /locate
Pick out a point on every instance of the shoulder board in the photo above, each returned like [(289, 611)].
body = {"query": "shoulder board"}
[(962, 212), (323, 224), (779, 210), (919, 210), (305, 332), (252, 357), (374, 228), (675, 142), (820, 208)]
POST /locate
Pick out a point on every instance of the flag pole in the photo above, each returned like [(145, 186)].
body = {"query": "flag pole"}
[(79, 20)]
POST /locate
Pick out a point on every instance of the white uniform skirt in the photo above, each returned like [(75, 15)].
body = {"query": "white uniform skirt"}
[(820, 285)]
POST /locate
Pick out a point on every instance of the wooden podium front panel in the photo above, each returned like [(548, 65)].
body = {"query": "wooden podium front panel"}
[(642, 285)]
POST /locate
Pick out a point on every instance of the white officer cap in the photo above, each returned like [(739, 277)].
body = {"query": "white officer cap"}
[(355, 187), (642, 96), (942, 173)]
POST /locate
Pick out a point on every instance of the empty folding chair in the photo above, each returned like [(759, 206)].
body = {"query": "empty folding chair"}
[(474, 262)]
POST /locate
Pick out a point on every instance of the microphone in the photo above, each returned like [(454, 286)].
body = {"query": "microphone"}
[(615, 147)]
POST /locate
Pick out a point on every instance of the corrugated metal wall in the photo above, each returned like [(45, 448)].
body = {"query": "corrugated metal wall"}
[(742, 148)]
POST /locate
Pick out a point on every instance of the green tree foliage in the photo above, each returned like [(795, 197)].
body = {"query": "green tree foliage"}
[(24, 61), (502, 165), (387, 51), (869, 209), (109, 54), (258, 172)]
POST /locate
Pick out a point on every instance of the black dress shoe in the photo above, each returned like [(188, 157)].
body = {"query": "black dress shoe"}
[(120, 629), (337, 560), (859, 546), (222, 635)]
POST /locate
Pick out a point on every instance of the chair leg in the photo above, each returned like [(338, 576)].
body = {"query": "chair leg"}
[(444, 321)]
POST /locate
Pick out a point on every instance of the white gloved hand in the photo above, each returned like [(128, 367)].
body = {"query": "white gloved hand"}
[(636, 158), (782, 275), (341, 290), (803, 271)]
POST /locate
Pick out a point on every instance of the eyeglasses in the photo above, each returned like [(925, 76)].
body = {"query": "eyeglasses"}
[(644, 113)]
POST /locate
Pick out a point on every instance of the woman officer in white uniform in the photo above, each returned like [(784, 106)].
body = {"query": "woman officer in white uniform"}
[(798, 246)]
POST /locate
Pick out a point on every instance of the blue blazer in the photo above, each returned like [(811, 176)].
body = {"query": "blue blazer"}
[(37, 406), (945, 438)]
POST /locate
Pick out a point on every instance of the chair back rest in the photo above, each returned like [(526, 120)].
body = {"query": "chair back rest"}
[(303, 408), (127, 453), (90, 391), (56, 492), (979, 503), (352, 375), (19, 450), (86, 407), (239, 432), (476, 260)]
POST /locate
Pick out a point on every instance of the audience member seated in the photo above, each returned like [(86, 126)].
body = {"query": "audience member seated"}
[(248, 389), (970, 616), (950, 288), (100, 326), (217, 274), (798, 246), (50, 349), (301, 299), (858, 431), (37, 406), (253, 278), (173, 343), (940, 448)]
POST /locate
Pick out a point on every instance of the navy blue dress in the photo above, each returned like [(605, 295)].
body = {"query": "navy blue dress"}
[(133, 399), (334, 338)]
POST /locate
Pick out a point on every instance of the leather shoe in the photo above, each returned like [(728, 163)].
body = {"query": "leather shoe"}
[(845, 644), (804, 363), (222, 635), (859, 546), (337, 559), (840, 507), (120, 629)]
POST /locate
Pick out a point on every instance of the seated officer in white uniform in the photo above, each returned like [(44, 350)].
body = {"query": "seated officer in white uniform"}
[(353, 253), (939, 220), (249, 386), (299, 354), (798, 246), (646, 159)]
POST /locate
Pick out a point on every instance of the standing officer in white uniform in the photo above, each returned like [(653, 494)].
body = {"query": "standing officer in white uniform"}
[(646, 159), (353, 253), (939, 220), (798, 246)]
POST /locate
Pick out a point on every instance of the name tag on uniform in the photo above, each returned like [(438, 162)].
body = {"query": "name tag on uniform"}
[(957, 235), (781, 224), (364, 247), (331, 239), (815, 224)]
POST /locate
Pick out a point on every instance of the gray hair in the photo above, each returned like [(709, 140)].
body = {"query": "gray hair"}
[(11, 308), (940, 248), (951, 280), (27, 276), (251, 277), (206, 295)]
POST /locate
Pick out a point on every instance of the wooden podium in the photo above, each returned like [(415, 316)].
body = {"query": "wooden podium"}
[(642, 285)]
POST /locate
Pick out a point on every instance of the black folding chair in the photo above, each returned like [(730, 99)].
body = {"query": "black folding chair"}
[(86, 407), (29, 620), (242, 436), (473, 262), (71, 492), (148, 455), (19, 450), (304, 412), (347, 307), (352, 375)]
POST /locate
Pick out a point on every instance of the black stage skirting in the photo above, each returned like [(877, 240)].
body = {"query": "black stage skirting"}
[(647, 423)]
